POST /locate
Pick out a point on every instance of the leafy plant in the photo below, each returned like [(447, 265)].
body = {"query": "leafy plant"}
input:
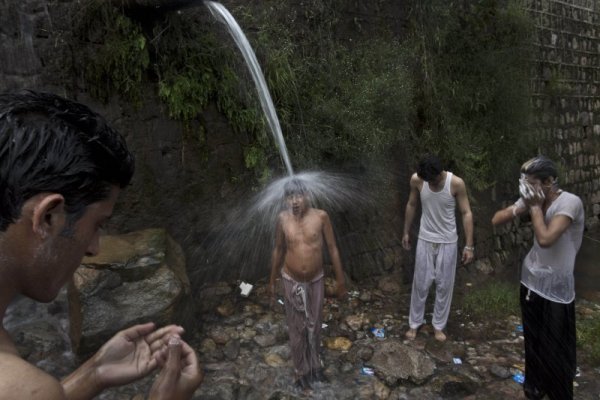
[(118, 56)]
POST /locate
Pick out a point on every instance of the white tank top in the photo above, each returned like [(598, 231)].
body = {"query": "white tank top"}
[(438, 220)]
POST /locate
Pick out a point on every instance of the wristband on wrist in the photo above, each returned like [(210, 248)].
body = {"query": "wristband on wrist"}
[(470, 248)]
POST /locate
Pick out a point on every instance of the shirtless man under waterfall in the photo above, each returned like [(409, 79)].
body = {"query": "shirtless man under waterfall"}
[(300, 233)]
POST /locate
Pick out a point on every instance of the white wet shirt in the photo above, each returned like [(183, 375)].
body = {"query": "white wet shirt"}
[(549, 271)]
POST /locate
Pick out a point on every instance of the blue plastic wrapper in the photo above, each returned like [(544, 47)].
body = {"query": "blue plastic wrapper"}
[(519, 378), (367, 371), (378, 332), (519, 328)]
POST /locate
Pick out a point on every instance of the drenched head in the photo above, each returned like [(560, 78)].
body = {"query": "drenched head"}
[(293, 187), (429, 168), (540, 167), (51, 144)]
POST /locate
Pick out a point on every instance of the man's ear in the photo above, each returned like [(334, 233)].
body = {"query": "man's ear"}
[(49, 215)]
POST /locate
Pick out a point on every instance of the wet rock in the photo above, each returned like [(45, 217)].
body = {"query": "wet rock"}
[(221, 367), (501, 390), (136, 278), (207, 345), (253, 309), (356, 321), (365, 296), (282, 351), (258, 374), (247, 334), (265, 340), (500, 371), (217, 389), (231, 350), (274, 360), (360, 351), (453, 385), (226, 309), (37, 339), (347, 367), (219, 335), (380, 390), (389, 286), (217, 290), (424, 393), (394, 361), (444, 351), (338, 343)]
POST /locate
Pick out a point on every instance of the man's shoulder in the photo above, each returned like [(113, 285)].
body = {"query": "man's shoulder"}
[(570, 200), (316, 213), (571, 196), (457, 183), (456, 179), (22, 380), (416, 178)]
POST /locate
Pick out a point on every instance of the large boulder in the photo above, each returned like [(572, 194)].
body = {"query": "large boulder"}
[(394, 361), (136, 278)]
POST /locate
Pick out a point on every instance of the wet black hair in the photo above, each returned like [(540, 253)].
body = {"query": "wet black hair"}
[(294, 186), (540, 167), (429, 167), (51, 144)]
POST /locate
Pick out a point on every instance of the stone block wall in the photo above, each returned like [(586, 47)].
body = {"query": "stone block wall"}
[(565, 96), (565, 83)]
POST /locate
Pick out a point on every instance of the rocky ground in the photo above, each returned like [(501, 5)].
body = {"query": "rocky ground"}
[(243, 345)]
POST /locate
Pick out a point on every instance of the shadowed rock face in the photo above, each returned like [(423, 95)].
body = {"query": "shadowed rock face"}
[(167, 5), (136, 278)]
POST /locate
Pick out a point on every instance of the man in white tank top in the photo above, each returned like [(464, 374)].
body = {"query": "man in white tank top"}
[(547, 294), (439, 192)]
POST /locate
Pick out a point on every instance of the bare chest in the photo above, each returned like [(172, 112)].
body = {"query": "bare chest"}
[(305, 232)]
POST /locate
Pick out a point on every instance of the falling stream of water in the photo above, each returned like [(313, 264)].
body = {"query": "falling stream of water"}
[(244, 240), (223, 15)]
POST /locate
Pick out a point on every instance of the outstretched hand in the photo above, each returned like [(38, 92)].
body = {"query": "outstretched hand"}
[(181, 374), (131, 354)]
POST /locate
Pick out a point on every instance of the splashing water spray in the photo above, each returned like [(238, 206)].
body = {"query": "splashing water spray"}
[(245, 240)]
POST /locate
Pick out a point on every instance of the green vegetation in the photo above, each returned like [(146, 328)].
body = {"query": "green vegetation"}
[(493, 300), (118, 55), (347, 87), (588, 337), (473, 105)]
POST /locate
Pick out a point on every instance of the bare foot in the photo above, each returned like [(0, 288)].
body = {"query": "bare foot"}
[(439, 335), (411, 334)]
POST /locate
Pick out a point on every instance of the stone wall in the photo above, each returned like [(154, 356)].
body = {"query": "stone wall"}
[(566, 93), (565, 86)]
